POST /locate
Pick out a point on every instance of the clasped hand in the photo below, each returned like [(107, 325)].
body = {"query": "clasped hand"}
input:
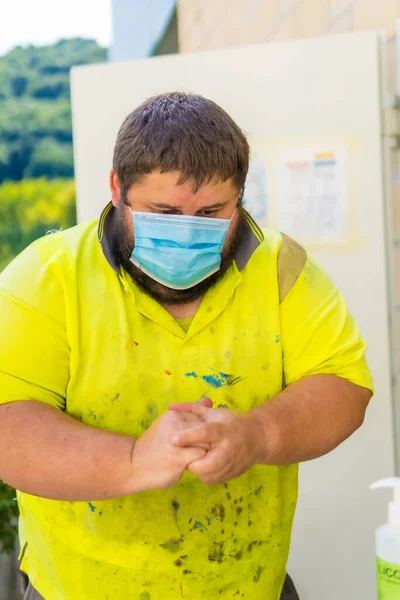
[(236, 441), (216, 445)]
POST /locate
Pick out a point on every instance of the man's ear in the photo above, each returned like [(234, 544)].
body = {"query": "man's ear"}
[(115, 188)]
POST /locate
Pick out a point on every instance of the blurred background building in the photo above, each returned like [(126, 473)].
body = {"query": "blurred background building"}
[(211, 24), (144, 29), (141, 29)]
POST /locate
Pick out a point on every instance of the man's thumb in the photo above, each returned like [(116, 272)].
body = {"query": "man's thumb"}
[(207, 402)]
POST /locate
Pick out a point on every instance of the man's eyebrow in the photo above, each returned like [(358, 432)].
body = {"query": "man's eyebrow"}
[(171, 206)]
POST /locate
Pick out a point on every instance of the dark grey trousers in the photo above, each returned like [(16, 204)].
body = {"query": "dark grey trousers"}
[(288, 592)]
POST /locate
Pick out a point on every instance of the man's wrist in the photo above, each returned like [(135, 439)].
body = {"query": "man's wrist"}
[(267, 434), (137, 479)]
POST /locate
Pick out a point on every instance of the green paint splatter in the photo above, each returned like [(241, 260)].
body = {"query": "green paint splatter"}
[(152, 408), (217, 553), (257, 576), (173, 545), (145, 423), (258, 490), (175, 509)]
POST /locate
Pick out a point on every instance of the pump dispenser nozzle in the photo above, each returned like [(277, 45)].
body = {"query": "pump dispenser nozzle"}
[(394, 507)]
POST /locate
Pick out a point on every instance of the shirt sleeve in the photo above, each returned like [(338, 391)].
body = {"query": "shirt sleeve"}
[(319, 336), (34, 350)]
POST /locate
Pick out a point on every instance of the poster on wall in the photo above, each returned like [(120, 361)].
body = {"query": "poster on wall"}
[(311, 194)]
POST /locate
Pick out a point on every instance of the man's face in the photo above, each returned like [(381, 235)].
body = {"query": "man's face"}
[(160, 193)]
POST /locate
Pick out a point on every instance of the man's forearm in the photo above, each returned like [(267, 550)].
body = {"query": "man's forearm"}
[(46, 453), (310, 418)]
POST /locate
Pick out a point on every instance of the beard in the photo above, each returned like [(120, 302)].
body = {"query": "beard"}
[(122, 248)]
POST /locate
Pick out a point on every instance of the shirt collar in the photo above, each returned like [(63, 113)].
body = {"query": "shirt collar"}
[(252, 238)]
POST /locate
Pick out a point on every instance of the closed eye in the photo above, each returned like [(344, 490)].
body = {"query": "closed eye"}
[(208, 213), (169, 211), (173, 211)]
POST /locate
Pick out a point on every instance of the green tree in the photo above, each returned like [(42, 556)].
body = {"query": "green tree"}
[(50, 158), (50, 87), (35, 104)]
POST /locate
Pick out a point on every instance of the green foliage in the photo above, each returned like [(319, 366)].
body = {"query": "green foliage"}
[(51, 159), (35, 62), (35, 110), (29, 209), (35, 142), (49, 87), (8, 515)]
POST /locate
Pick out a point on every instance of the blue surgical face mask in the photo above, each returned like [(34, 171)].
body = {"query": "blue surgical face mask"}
[(178, 251)]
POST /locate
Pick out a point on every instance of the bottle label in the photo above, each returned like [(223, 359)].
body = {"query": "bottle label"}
[(388, 580)]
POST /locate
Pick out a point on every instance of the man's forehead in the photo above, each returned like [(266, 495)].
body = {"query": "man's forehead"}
[(169, 188)]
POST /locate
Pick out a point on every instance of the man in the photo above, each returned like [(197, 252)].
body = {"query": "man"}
[(159, 388)]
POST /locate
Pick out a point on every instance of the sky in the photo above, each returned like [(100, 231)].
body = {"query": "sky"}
[(41, 22)]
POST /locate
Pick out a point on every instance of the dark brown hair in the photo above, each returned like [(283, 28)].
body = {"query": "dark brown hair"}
[(181, 132)]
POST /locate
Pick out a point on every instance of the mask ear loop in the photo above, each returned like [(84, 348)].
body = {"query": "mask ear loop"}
[(231, 219), (230, 223)]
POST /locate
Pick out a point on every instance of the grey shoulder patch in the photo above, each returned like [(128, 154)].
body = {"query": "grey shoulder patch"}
[(291, 261)]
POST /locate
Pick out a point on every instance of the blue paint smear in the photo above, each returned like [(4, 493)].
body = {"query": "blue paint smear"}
[(218, 380), (214, 381), (277, 339), (199, 525), (92, 507)]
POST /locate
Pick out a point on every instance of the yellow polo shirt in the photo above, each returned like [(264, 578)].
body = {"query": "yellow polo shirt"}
[(77, 334)]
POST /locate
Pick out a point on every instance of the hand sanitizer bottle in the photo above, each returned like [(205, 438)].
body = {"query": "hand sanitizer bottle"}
[(388, 545)]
